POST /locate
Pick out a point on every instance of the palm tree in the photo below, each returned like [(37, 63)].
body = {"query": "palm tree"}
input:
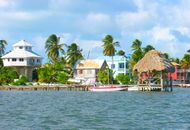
[(54, 48), (109, 47), (73, 54), (185, 64), (121, 53), (148, 48), (137, 52), (3, 43)]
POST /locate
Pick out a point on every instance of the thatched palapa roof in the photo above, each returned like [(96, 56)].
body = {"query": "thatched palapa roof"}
[(154, 60)]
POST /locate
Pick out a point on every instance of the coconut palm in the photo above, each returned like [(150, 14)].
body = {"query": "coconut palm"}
[(137, 52), (185, 63), (148, 48), (121, 53), (109, 46), (54, 48), (73, 54), (3, 43)]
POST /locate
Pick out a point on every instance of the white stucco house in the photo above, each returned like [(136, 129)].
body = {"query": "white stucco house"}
[(22, 59)]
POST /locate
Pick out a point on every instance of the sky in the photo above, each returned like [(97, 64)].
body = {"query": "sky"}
[(164, 24)]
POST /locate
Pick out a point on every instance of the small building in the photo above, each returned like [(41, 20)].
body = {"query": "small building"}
[(22, 59), (87, 70), (119, 66), (157, 67), (180, 75)]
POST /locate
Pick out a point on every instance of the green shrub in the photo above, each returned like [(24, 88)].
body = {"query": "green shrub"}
[(21, 81), (7, 75), (123, 79), (103, 76), (62, 77)]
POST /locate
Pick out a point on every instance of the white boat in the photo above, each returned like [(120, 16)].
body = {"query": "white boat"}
[(133, 88), (107, 88)]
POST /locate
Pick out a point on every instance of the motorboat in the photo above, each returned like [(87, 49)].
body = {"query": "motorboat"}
[(133, 88), (108, 88)]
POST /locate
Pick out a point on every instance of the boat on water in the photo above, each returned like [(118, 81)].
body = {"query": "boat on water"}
[(108, 88), (133, 88)]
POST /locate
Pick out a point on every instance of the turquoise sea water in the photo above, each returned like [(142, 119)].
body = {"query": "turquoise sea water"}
[(57, 110)]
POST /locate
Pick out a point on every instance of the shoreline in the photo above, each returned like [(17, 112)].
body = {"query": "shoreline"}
[(76, 87)]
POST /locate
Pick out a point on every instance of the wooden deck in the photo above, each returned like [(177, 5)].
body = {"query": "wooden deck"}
[(47, 88)]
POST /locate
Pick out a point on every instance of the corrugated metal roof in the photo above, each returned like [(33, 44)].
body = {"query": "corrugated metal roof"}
[(89, 64)]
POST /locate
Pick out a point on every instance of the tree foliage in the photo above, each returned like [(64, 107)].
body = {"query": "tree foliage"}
[(73, 54), (103, 76), (109, 46), (123, 78), (121, 53), (137, 52), (54, 48), (53, 73), (7, 75), (3, 43), (21, 81), (148, 48)]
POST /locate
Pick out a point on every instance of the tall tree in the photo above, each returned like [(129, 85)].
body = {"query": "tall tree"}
[(109, 47), (3, 43), (121, 53), (73, 54), (148, 48), (54, 48), (137, 52), (185, 64)]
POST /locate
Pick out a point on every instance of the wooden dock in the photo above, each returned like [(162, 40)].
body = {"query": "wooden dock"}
[(143, 87), (47, 88)]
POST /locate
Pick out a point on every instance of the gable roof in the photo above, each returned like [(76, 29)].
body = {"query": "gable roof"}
[(90, 64), (22, 43), (20, 54)]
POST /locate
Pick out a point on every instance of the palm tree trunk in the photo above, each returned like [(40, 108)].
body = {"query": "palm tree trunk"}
[(112, 70)]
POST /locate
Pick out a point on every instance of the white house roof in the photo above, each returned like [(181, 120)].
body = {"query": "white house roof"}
[(22, 43), (89, 64), (20, 54)]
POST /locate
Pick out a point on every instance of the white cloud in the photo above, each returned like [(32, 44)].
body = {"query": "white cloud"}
[(7, 3), (95, 22), (23, 15), (161, 34)]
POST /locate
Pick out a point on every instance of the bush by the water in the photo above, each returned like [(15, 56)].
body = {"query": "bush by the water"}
[(103, 76), (123, 78), (7, 75), (21, 81), (62, 77)]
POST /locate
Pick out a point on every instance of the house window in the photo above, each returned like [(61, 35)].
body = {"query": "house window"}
[(21, 59), (13, 59), (20, 47), (112, 66), (80, 72), (38, 60), (121, 65), (89, 71), (8, 59)]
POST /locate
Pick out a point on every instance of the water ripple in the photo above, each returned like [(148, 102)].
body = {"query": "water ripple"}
[(36, 110)]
